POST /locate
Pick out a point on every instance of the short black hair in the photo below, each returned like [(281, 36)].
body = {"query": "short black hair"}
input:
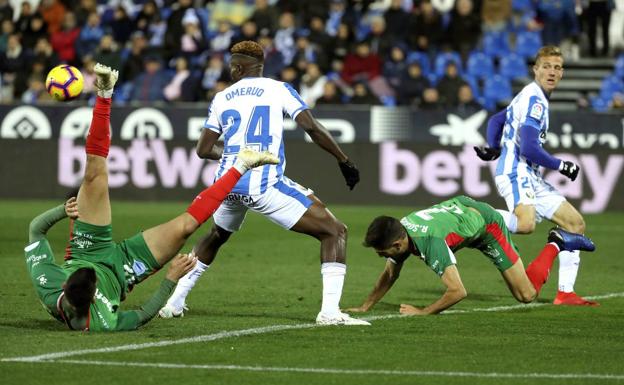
[(80, 289), (382, 232)]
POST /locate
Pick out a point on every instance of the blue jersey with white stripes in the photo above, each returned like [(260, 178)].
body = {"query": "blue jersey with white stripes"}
[(251, 113), (528, 108)]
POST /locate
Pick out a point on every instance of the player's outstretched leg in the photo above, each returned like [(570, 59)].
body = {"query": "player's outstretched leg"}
[(93, 199), (165, 240)]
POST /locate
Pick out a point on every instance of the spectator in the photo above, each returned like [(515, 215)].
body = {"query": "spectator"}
[(248, 31), (85, 8), (330, 95), (598, 12), (234, 12), (90, 35), (309, 53), (464, 29), (108, 53), (53, 13), (36, 91), (291, 76), (449, 85), (426, 28), (430, 100), (192, 41), (343, 42), (88, 75), (121, 25), (133, 64), (617, 102), (37, 30), (319, 38), (362, 95), (44, 53), (265, 17), (222, 41), (495, 15), (338, 14), (213, 72), (379, 40), (173, 90), (7, 29), (149, 85), (12, 62), (219, 86), (64, 40), (285, 37), (365, 66), (466, 104), (148, 15), (6, 11), (394, 68), (273, 59), (558, 19), (396, 20), (175, 28), (312, 84), (413, 84), (23, 21)]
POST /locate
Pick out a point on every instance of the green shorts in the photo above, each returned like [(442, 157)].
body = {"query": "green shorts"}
[(495, 242), (130, 260)]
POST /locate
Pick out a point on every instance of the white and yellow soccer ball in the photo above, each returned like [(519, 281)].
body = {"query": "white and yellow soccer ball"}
[(64, 82)]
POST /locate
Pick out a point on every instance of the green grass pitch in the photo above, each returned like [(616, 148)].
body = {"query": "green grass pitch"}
[(252, 314)]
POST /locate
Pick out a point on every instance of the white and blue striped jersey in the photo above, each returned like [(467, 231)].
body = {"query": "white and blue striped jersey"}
[(251, 113), (530, 108)]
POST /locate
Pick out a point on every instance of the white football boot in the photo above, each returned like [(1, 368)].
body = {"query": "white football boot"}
[(339, 319)]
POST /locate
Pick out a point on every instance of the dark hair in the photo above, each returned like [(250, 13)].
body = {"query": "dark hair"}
[(80, 289), (249, 48), (382, 232)]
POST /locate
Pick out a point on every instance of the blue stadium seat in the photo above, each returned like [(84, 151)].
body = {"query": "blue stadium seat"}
[(495, 44), (480, 65), (496, 89), (443, 59), (599, 104), (528, 43), (619, 67), (513, 66), (522, 5), (422, 59), (611, 85)]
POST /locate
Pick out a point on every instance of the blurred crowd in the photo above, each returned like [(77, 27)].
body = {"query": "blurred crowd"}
[(431, 54)]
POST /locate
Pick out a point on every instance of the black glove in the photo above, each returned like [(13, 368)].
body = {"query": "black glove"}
[(487, 153), (350, 173), (569, 169)]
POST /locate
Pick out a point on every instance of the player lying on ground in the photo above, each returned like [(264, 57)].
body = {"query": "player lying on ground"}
[(435, 233), (517, 135), (86, 291)]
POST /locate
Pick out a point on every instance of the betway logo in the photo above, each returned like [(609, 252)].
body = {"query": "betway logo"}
[(144, 164), (445, 173), (569, 139)]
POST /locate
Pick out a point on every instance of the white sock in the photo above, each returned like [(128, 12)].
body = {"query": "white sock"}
[(568, 268), (333, 278), (511, 220), (185, 284)]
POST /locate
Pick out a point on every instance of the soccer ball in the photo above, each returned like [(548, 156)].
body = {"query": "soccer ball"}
[(64, 82)]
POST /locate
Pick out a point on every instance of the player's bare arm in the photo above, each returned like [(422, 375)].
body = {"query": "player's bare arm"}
[(388, 277), (323, 139), (454, 293), (209, 146)]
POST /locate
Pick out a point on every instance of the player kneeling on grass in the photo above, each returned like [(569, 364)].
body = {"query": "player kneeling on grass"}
[(435, 233), (86, 291)]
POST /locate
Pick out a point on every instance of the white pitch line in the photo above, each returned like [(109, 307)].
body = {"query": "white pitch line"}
[(164, 365), (252, 331)]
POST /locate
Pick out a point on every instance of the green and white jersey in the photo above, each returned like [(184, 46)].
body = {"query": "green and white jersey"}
[(442, 229), (47, 277)]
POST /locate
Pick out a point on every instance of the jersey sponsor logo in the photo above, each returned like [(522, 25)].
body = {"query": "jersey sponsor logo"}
[(34, 260), (245, 199), (25, 122), (102, 298), (42, 280), (536, 111)]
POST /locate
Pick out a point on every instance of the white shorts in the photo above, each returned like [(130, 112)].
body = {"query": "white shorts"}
[(529, 189), (283, 203)]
